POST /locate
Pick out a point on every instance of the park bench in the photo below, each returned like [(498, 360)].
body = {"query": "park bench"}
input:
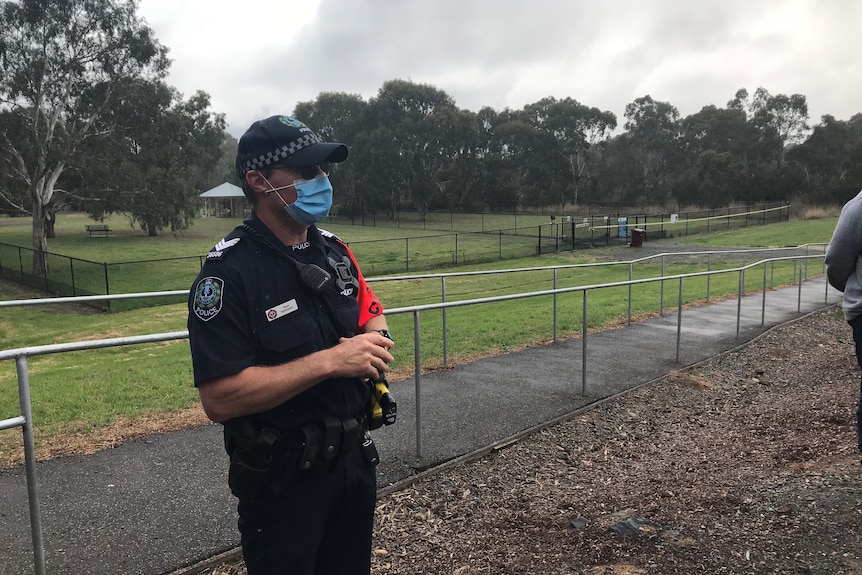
[(98, 229)]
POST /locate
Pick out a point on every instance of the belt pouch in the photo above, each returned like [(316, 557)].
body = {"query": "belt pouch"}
[(250, 466), (331, 438), (352, 431), (310, 441)]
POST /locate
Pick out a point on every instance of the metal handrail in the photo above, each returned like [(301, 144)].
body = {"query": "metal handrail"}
[(22, 354), (661, 256)]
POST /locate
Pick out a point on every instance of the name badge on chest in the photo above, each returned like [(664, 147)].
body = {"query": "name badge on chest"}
[(281, 310)]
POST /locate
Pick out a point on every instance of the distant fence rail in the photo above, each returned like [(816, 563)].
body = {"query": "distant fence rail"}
[(596, 217), (72, 277)]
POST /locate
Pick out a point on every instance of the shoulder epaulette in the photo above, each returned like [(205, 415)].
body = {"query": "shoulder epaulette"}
[(220, 248), (330, 236)]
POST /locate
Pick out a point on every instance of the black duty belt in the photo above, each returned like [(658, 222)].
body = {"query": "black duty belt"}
[(270, 457), (326, 439)]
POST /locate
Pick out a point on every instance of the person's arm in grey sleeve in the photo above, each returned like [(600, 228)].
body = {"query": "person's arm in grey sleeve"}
[(846, 245)]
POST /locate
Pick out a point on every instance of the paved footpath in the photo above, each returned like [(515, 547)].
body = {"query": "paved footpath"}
[(160, 503)]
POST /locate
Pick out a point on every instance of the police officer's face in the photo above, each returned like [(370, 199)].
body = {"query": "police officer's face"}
[(280, 181)]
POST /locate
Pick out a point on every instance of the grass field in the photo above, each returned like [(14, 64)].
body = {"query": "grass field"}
[(128, 261), (82, 391)]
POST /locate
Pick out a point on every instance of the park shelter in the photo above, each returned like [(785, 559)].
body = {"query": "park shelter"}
[(225, 201)]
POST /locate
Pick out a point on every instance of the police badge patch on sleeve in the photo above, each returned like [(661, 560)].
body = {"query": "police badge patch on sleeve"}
[(208, 294)]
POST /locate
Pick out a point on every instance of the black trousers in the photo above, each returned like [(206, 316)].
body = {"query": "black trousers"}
[(321, 525), (856, 324)]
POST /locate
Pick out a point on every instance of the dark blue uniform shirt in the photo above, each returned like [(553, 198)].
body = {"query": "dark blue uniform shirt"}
[(249, 306)]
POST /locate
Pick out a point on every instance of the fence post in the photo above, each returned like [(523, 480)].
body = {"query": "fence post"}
[(72, 274), (407, 254), (107, 287)]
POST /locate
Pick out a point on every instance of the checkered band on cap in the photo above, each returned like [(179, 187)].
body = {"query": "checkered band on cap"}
[(280, 153)]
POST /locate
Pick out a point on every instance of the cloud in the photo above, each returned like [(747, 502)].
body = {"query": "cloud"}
[(262, 57)]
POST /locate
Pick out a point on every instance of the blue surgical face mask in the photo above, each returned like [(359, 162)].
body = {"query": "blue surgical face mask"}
[(313, 199)]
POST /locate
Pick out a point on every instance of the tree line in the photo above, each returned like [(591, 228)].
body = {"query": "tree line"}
[(412, 147), (87, 122)]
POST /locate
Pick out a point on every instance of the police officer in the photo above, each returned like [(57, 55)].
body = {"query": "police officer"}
[(285, 334)]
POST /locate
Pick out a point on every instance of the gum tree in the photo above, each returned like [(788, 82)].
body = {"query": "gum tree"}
[(160, 154), (58, 62)]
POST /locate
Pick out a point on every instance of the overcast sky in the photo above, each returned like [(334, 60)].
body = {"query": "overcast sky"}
[(260, 57)]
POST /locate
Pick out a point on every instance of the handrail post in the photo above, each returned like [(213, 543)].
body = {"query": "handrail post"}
[(555, 305), (584, 349), (661, 290), (763, 305), (799, 296), (739, 300), (679, 320), (30, 465), (629, 318), (417, 371), (445, 339), (708, 275)]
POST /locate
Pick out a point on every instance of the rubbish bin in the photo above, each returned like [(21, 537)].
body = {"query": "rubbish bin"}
[(637, 237)]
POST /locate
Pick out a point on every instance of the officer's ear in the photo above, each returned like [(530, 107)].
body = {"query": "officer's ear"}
[(257, 181)]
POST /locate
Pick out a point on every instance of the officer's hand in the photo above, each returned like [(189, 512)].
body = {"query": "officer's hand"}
[(365, 355)]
